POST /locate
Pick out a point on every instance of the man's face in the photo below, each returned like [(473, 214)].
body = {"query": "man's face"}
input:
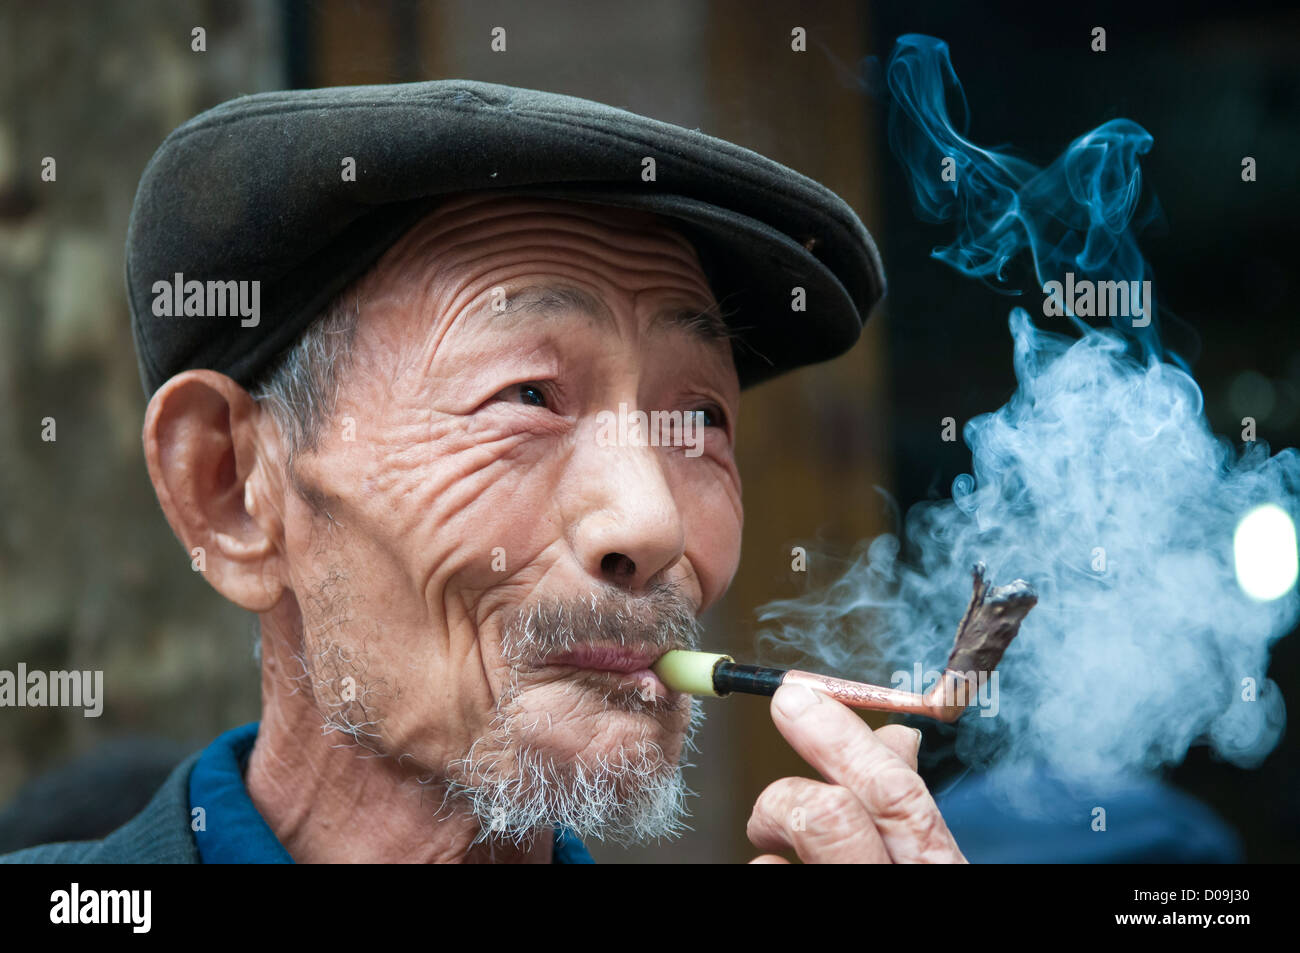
[(486, 566)]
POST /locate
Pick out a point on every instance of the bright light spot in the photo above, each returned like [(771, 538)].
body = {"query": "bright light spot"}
[(1265, 549)]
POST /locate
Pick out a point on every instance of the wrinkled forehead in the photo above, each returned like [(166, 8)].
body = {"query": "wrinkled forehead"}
[(494, 229)]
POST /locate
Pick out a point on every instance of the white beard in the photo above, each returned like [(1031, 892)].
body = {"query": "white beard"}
[(515, 791)]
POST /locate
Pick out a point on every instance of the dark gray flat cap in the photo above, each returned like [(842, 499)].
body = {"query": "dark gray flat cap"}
[(253, 190)]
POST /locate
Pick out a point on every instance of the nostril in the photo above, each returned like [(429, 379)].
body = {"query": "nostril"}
[(617, 566)]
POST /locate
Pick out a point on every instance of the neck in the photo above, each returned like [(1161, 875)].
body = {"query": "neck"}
[(328, 799)]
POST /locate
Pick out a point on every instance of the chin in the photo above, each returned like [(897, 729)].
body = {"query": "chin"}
[(595, 718), (572, 754)]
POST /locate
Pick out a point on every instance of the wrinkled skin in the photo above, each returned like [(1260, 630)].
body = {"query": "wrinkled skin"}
[(459, 479)]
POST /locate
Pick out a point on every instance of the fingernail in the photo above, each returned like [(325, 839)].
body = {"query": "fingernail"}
[(918, 738), (793, 700)]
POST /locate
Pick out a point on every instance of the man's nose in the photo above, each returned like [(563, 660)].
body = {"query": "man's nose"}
[(631, 533)]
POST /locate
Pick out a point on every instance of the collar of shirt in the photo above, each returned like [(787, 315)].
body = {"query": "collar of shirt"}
[(233, 832)]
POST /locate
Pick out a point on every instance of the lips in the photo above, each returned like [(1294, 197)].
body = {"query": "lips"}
[(608, 658), (630, 664)]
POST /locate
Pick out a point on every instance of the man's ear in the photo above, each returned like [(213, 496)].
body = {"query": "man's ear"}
[(207, 460)]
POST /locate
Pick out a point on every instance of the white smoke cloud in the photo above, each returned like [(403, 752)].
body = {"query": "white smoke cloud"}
[(1099, 482)]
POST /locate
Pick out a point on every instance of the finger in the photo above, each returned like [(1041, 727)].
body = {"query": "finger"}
[(769, 859), (822, 823), (835, 741), (903, 740)]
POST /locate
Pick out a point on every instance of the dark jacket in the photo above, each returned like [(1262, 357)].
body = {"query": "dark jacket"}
[(159, 834)]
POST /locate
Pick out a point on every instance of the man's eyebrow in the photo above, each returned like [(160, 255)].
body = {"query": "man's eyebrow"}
[(547, 300), (707, 324)]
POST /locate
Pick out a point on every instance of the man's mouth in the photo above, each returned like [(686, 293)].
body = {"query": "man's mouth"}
[(631, 663)]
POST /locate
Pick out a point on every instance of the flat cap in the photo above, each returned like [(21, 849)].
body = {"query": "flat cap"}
[(256, 190)]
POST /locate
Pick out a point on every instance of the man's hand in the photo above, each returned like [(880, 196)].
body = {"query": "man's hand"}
[(873, 808)]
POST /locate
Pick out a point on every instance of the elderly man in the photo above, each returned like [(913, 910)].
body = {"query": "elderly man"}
[(383, 330)]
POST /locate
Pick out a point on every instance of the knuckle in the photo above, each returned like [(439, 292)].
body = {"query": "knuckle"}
[(933, 843), (778, 792), (772, 801), (919, 833), (836, 813), (897, 792), (929, 831), (837, 801)]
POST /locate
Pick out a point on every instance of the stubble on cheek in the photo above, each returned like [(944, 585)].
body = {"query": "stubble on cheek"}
[(334, 671)]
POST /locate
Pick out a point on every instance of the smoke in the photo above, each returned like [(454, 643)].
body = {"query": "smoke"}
[(1079, 215), (1099, 482)]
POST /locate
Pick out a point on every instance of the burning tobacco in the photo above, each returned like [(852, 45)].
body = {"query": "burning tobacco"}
[(991, 621)]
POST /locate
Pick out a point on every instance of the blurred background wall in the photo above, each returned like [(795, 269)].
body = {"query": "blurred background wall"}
[(90, 575)]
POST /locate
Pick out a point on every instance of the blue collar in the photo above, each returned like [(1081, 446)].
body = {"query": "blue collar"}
[(233, 832)]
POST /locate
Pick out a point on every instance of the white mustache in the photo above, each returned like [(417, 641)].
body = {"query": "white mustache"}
[(662, 619)]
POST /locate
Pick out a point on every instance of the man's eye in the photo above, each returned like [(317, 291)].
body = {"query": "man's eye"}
[(530, 394), (710, 416)]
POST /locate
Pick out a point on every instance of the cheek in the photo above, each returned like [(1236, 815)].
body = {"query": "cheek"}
[(464, 497), (710, 504), (430, 511)]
